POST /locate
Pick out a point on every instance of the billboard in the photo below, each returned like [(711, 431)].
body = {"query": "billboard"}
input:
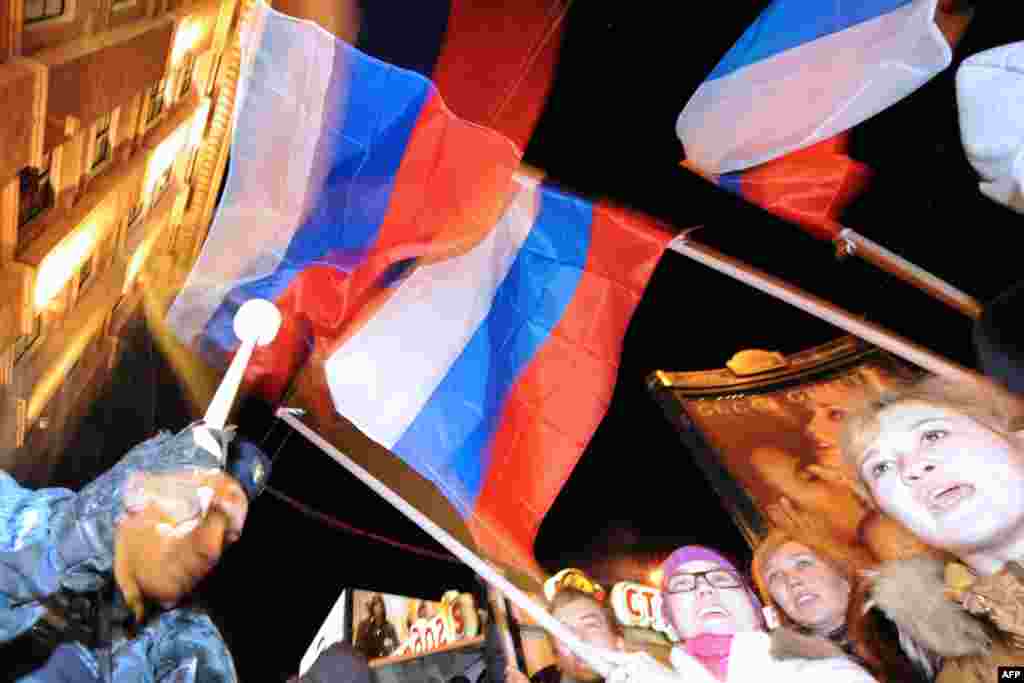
[(765, 431), (391, 630)]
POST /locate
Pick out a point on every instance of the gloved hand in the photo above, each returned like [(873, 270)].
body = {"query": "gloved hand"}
[(79, 552)]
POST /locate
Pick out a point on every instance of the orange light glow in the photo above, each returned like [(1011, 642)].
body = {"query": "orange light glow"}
[(656, 576), (199, 122), (61, 263), (163, 157), (139, 258), (186, 38)]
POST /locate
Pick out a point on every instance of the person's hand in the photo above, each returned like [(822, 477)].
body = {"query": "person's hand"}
[(835, 475), (514, 675), (787, 515)]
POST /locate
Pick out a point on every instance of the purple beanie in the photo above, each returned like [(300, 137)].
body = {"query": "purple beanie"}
[(695, 553)]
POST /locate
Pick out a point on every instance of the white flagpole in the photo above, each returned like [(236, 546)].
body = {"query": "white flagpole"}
[(818, 307), (596, 658), (255, 324)]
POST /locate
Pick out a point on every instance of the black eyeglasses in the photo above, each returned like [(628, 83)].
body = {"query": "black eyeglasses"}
[(684, 582)]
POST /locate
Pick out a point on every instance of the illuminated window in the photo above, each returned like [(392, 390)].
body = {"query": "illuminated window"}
[(188, 66), (41, 10), (156, 102), (134, 213), (25, 342), (85, 274), (161, 184), (192, 164), (101, 145), (36, 192)]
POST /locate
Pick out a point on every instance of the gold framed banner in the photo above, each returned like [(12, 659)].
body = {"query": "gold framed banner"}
[(764, 430)]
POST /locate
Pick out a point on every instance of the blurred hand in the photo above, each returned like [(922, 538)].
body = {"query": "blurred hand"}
[(787, 515)]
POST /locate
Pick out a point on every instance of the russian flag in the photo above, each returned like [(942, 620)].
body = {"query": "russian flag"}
[(809, 187), (806, 71), (465, 315), (493, 61)]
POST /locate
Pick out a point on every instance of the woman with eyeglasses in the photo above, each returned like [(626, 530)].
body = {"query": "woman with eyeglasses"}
[(719, 620)]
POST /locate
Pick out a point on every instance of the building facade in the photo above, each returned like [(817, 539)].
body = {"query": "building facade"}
[(113, 144)]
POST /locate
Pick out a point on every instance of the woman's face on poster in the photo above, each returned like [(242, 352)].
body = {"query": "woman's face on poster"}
[(954, 482), (829, 405)]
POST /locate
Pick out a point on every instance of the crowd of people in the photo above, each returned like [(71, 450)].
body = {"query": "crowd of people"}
[(99, 580), (103, 573)]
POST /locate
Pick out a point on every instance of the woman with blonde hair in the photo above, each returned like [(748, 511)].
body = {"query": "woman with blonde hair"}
[(946, 460), (816, 584)]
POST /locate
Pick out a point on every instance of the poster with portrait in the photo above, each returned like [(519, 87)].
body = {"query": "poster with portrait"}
[(382, 623), (404, 638), (765, 431)]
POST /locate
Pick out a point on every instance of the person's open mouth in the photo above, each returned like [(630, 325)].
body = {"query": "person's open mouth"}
[(948, 496)]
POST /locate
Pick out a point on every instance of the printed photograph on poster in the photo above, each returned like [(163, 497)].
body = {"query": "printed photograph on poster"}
[(385, 625), (777, 437), (381, 622)]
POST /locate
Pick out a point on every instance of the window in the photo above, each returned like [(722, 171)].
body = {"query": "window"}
[(191, 169), (41, 10), (188, 65), (36, 191), (161, 184), (85, 274), (101, 144), (156, 102), (134, 213), (25, 342)]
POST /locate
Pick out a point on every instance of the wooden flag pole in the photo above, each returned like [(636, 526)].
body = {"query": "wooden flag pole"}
[(918, 277), (818, 307), (598, 659)]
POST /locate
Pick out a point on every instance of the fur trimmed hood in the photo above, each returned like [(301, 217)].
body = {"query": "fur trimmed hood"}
[(790, 644), (911, 593)]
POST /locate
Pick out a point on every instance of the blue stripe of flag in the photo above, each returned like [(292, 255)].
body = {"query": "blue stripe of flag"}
[(733, 182), (448, 442), (787, 24), (370, 112)]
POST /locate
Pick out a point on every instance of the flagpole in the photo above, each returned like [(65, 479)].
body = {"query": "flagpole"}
[(596, 658), (818, 307), (914, 275), (501, 624)]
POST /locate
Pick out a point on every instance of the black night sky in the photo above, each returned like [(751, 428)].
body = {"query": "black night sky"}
[(625, 72)]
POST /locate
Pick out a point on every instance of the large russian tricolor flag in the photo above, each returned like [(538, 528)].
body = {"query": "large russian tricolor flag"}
[(806, 71), (465, 315)]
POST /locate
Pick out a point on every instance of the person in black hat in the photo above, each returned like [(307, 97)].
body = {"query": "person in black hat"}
[(97, 575)]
